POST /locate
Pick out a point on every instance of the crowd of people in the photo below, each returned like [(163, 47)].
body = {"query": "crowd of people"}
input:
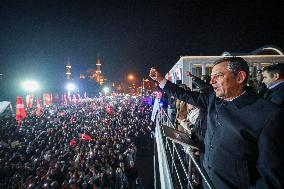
[(91, 144)]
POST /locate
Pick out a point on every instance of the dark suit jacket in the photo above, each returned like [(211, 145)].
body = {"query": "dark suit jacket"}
[(276, 95), (243, 141)]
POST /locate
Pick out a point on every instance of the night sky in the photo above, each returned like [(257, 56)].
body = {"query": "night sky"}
[(37, 36)]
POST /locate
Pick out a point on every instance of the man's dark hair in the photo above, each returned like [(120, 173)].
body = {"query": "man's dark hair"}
[(235, 65), (275, 68), (178, 82)]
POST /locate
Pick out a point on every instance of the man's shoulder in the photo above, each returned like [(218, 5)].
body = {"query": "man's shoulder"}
[(255, 102), (267, 107), (278, 90)]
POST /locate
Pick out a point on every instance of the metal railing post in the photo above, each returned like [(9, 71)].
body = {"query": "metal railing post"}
[(189, 179)]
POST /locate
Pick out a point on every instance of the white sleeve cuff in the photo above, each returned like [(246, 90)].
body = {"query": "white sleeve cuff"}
[(162, 83)]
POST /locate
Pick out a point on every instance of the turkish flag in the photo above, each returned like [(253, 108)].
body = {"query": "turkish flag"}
[(47, 99), (169, 76), (30, 105), (109, 110), (20, 109), (39, 107), (86, 137), (74, 99), (27, 100), (73, 143)]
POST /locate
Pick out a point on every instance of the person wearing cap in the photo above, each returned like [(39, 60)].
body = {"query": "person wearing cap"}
[(243, 146)]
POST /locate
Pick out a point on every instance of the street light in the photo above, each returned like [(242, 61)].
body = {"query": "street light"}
[(130, 77), (106, 90)]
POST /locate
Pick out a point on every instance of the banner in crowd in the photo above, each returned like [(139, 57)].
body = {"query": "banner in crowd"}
[(20, 109), (39, 107), (29, 101), (47, 99), (74, 100)]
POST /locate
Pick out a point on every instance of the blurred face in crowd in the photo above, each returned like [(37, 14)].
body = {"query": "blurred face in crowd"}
[(268, 78), (226, 85)]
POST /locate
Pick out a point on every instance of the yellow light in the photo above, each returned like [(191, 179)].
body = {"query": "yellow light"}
[(130, 77)]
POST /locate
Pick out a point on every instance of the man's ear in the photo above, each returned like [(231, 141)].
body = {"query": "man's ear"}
[(276, 76), (241, 77)]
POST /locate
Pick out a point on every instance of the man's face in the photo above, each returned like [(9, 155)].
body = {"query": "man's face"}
[(268, 79), (224, 82)]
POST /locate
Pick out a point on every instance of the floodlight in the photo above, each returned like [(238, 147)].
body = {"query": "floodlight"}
[(30, 86), (106, 90), (70, 86)]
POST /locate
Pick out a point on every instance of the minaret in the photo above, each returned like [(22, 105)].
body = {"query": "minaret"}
[(68, 70), (98, 71)]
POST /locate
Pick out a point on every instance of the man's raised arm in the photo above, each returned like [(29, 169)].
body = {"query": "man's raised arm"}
[(190, 97)]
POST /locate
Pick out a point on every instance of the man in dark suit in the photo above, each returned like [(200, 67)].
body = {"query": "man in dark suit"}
[(243, 141), (273, 78)]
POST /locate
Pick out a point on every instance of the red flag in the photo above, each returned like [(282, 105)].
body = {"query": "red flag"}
[(20, 109), (73, 143), (109, 110), (47, 99), (30, 105), (85, 137), (39, 107), (74, 99)]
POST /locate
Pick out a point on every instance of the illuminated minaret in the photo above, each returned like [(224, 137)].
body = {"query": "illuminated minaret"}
[(98, 71), (68, 70)]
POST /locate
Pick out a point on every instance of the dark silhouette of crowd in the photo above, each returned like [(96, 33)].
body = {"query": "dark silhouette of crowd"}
[(91, 144)]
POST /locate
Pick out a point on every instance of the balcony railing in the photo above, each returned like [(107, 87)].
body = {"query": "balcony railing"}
[(175, 162)]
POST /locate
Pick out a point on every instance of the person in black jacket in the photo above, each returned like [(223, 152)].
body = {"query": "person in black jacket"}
[(273, 78), (243, 140)]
